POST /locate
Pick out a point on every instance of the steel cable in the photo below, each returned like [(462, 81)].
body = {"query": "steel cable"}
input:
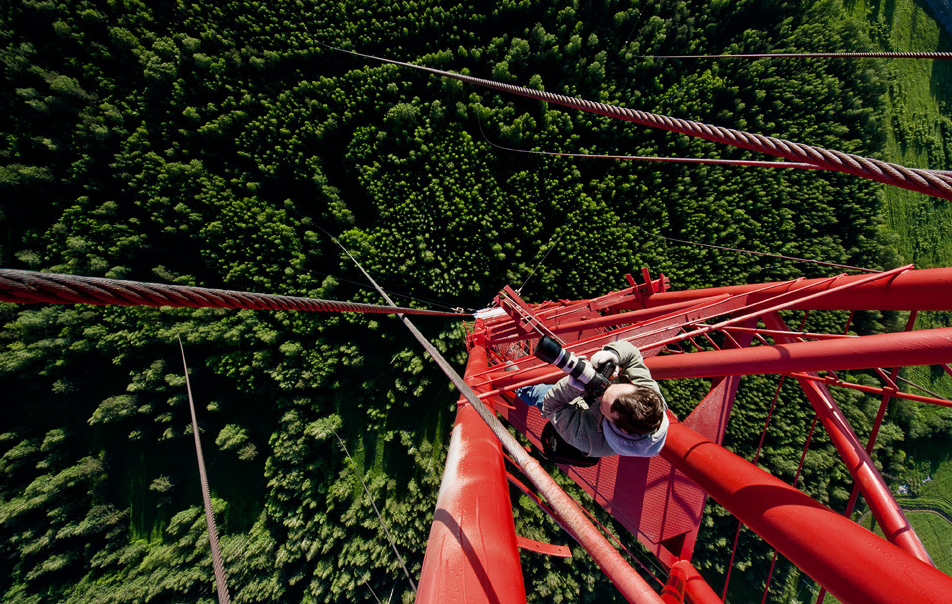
[(811, 55), (630, 583), (922, 181), (30, 286), (753, 253), (218, 566), (383, 524), (655, 158)]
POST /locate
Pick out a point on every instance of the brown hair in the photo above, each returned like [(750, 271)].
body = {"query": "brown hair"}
[(639, 412)]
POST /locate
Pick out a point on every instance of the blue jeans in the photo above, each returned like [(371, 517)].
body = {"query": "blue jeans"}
[(533, 395)]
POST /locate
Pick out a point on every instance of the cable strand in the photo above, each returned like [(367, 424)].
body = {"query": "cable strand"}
[(54, 288), (922, 181), (650, 158), (221, 584), (379, 517), (767, 254), (810, 55)]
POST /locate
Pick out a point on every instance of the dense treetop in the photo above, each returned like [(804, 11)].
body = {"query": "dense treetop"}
[(217, 143)]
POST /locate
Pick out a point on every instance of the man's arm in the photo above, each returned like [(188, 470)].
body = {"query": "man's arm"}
[(632, 364)]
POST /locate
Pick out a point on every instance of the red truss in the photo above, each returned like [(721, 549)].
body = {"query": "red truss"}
[(472, 555)]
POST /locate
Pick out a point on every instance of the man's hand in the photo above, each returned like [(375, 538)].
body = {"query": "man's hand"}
[(604, 356)]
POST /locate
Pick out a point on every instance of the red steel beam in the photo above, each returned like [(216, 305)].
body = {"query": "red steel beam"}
[(855, 565), (887, 391), (795, 334), (928, 289), (793, 297), (867, 478), (877, 423), (636, 316), (697, 590), (881, 502), (924, 347), (472, 555), (673, 590)]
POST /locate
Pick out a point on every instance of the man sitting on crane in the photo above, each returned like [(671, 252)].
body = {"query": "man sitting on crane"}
[(628, 419)]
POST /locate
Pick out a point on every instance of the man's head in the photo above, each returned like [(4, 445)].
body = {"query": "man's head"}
[(634, 409)]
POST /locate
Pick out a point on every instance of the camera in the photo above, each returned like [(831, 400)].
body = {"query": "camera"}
[(595, 380)]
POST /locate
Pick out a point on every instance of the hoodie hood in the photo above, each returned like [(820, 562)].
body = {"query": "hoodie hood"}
[(635, 445)]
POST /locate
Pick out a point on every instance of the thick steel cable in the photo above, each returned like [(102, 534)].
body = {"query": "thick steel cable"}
[(922, 181), (811, 55), (53, 288), (634, 588), (221, 584)]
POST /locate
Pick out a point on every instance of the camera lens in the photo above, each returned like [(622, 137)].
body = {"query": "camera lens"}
[(548, 350)]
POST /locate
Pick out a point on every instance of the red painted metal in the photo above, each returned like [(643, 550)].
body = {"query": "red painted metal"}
[(925, 347), (877, 423), (832, 380), (673, 591), (881, 502), (657, 504), (635, 316), (794, 334), (559, 551), (855, 565), (883, 505), (789, 299), (760, 444), (472, 554), (654, 498), (928, 289), (793, 483), (696, 589)]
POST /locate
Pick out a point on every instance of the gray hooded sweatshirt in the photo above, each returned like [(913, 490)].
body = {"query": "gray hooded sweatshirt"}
[(587, 430)]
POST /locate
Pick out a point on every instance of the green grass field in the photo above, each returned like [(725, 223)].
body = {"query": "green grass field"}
[(936, 535), (920, 101), (936, 530)]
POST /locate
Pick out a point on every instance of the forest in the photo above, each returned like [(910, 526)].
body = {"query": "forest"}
[(223, 144)]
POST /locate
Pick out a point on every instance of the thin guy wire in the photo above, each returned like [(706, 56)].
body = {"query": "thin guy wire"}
[(541, 262), (770, 255), (680, 160), (221, 584), (568, 227), (372, 592), (379, 517), (402, 295), (923, 181), (391, 291), (915, 385), (54, 288), (810, 55)]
